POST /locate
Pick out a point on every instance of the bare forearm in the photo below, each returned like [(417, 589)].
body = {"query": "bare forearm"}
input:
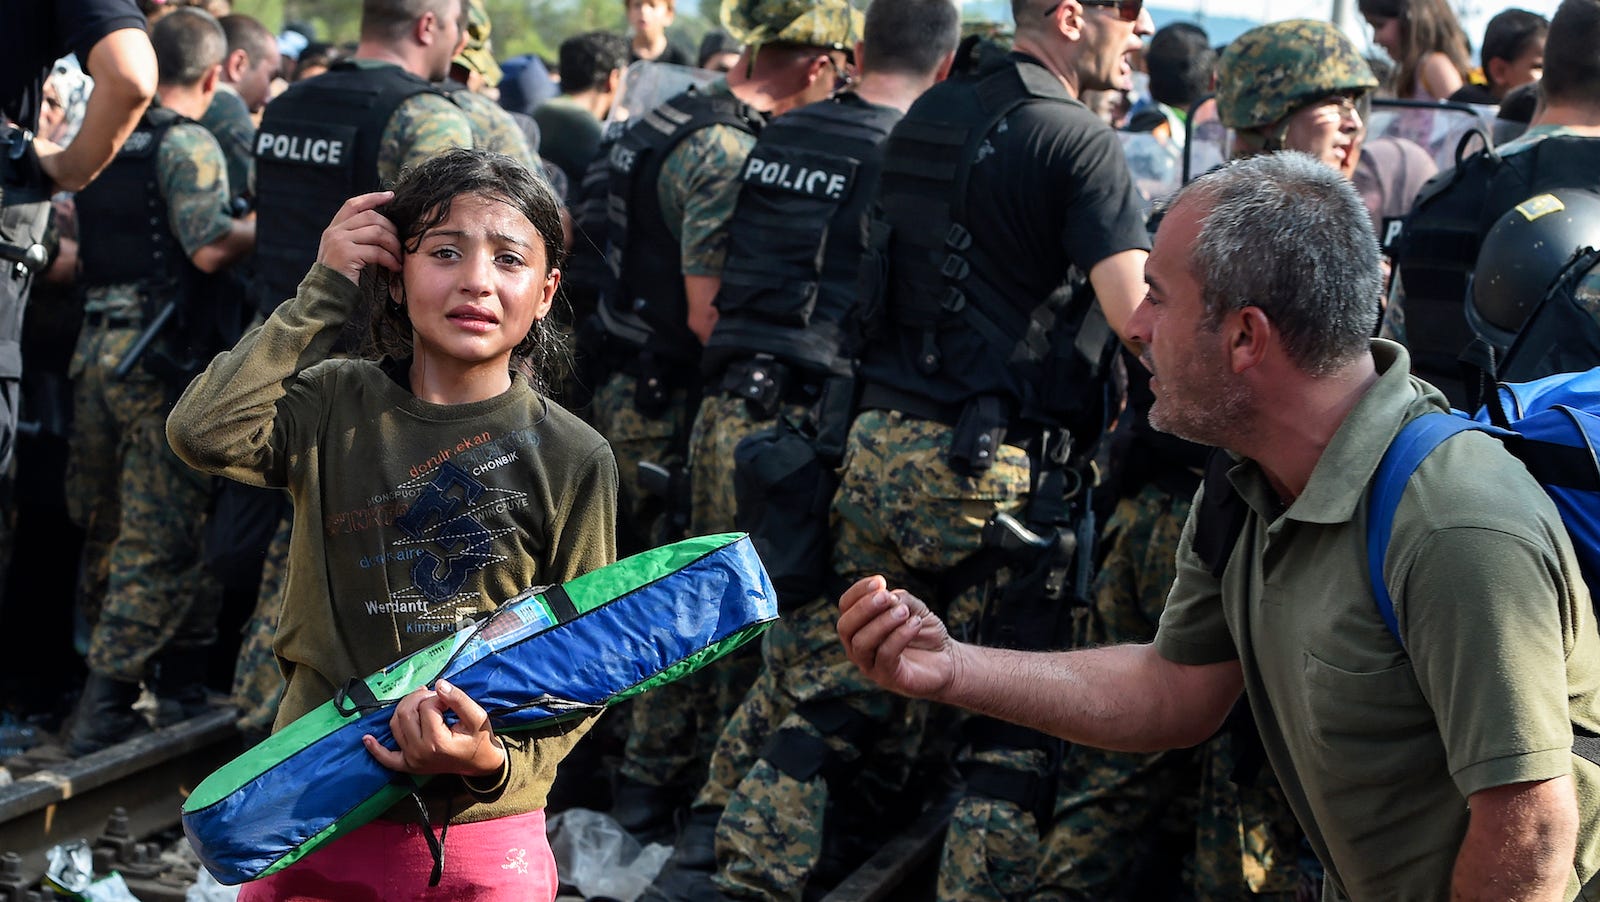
[(1519, 845), (124, 69), (229, 249), (702, 295), (1122, 697)]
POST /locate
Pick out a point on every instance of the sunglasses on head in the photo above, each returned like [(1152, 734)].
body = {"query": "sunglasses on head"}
[(1127, 10)]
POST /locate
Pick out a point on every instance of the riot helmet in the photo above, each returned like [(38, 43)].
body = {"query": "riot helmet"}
[(1523, 253)]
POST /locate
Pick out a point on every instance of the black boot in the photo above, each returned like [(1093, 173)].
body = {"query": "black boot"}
[(104, 716), (696, 848), (180, 684), (644, 810)]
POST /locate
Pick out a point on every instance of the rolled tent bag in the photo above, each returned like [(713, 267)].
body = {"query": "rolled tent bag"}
[(550, 655)]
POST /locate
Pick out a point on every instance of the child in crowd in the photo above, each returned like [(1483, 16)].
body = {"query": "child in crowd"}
[(431, 483), (647, 31), (1426, 42), (1512, 53)]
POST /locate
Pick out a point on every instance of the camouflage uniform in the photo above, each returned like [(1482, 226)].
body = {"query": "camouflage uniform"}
[(675, 727), (901, 512), (120, 468), (698, 189), (493, 128), (421, 127), (228, 120), (257, 678)]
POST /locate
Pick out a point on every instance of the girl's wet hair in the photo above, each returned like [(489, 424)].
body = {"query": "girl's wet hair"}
[(422, 199)]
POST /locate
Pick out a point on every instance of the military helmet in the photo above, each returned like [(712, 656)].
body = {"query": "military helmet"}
[(1273, 70), (478, 54), (819, 23), (1524, 252)]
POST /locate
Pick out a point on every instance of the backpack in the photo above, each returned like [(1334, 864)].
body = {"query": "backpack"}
[(1552, 425)]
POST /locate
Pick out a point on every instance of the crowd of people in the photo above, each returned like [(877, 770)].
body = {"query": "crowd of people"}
[(345, 345)]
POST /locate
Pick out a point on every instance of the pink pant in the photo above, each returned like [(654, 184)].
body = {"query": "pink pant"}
[(506, 858)]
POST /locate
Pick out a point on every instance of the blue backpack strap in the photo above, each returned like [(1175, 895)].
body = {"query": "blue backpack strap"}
[(1416, 440)]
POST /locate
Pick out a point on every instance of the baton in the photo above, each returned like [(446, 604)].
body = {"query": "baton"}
[(142, 343)]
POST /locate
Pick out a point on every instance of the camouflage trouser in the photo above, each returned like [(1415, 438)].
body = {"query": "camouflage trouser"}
[(157, 593), (257, 678), (1123, 823), (674, 727), (899, 511), (635, 437)]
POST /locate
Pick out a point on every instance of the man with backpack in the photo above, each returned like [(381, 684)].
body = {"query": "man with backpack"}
[(1423, 747)]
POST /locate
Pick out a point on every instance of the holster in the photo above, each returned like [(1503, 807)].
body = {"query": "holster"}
[(762, 382), (652, 389), (978, 435)]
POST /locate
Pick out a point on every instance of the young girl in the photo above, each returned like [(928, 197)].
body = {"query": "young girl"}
[(1426, 42), (428, 485)]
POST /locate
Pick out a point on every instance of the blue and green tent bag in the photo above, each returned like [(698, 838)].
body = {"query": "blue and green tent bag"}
[(550, 655)]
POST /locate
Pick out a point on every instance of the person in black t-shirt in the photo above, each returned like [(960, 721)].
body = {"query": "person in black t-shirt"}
[(109, 39)]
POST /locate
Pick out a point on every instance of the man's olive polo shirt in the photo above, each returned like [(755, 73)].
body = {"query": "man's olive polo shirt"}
[(1377, 747)]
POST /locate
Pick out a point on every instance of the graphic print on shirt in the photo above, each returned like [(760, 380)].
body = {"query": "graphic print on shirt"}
[(445, 539)]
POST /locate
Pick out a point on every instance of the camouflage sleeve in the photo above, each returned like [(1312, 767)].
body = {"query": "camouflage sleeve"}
[(698, 189), (422, 126), (494, 129), (194, 181), (229, 121)]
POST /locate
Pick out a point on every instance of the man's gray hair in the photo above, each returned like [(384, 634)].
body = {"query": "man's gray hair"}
[(1290, 235)]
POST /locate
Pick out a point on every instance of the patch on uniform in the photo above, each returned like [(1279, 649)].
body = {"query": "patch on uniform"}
[(804, 172), (1541, 205), (139, 143), (308, 143)]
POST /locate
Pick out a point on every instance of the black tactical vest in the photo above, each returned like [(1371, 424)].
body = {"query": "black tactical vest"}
[(316, 148), (123, 233), (790, 284), (925, 281), (585, 274), (1438, 247), (645, 306)]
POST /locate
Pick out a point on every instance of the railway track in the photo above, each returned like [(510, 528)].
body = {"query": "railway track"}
[(120, 797)]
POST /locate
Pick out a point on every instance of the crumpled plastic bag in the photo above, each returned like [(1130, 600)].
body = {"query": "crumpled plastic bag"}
[(111, 889), (207, 889), (594, 854), (69, 872), (69, 867)]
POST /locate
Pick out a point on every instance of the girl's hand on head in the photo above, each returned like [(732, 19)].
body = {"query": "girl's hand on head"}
[(428, 745), (360, 236)]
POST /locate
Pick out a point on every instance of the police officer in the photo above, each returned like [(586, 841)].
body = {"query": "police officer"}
[(245, 87), (673, 183), (1438, 248), (154, 221), (1004, 201), (352, 129), (786, 330), (109, 39)]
